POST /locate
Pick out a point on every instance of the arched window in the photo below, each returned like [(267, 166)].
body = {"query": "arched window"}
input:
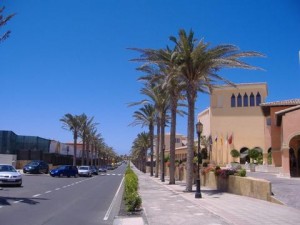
[(245, 99), (233, 100), (239, 100), (258, 99), (252, 103)]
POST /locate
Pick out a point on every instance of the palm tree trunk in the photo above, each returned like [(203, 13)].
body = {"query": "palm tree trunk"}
[(151, 131), (83, 151), (75, 148), (172, 140), (190, 139), (157, 148), (162, 147)]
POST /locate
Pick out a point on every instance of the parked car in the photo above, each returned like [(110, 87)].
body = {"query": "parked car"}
[(36, 166), (94, 170), (9, 175), (102, 169), (85, 171), (64, 171), (110, 167)]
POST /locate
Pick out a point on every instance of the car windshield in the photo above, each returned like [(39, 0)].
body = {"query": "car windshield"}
[(7, 168), (33, 164), (61, 168), (83, 167)]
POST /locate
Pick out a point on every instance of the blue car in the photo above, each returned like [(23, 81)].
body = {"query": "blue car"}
[(64, 171)]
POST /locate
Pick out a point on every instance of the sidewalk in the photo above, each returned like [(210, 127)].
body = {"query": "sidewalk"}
[(166, 204)]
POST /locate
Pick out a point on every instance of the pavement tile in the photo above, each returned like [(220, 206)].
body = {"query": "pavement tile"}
[(166, 204)]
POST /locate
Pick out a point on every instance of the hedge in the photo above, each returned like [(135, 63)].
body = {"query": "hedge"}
[(132, 199)]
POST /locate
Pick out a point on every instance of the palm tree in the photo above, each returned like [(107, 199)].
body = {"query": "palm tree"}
[(139, 150), (159, 64), (159, 96), (3, 21), (146, 116), (86, 126), (72, 123), (160, 100), (198, 66)]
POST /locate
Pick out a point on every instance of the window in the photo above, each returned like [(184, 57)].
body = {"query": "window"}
[(252, 99), (245, 99), (258, 99), (239, 100), (233, 100)]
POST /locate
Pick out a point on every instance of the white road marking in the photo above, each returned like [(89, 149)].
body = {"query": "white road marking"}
[(34, 196), (17, 201), (57, 189), (47, 192), (113, 201)]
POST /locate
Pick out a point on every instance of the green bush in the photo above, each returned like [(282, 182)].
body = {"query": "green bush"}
[(253, 154), (132, 199), (235, 153), (242, 172)]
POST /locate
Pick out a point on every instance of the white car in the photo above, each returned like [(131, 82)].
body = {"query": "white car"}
[(9, 175), (85, 171)]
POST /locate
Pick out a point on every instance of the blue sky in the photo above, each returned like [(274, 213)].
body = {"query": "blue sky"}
[(70, 56)]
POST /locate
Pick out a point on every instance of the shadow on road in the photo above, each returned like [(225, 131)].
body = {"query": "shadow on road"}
[(7, 201)]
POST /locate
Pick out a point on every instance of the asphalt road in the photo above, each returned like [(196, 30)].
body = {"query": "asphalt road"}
[(44, 200)]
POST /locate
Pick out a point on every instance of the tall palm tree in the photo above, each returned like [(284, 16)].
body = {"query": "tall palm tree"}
[(158, 97), (146, 116), (86, 125), (139, 150), (3, 21), (159, 64), (71, 122), (198, 67)]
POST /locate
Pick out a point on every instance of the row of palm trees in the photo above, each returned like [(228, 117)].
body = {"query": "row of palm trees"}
[(172, 79), (85, 128)]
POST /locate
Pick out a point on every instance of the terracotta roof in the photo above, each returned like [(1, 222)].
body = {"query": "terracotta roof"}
[(295, 101)]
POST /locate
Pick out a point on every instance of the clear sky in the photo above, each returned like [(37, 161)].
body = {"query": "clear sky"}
[(70, 56)]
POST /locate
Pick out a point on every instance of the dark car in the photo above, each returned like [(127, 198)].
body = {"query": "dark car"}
[(102, 169), (64, 171), (94, 170), (36, 166)]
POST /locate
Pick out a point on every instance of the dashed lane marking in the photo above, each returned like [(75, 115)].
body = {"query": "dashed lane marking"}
[(37, 195)]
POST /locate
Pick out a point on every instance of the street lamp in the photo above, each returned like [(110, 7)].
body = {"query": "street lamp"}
[(199, 129)]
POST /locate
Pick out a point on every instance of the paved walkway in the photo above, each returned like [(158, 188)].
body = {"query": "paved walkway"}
[(166, 204)]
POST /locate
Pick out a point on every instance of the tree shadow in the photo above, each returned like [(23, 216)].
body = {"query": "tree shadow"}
[(8, 201)]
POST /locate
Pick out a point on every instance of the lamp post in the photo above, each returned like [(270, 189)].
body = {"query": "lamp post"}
[(199, 129)]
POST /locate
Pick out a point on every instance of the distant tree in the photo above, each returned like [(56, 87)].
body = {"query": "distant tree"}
[(146, 116), (72, 123), (3, 21)]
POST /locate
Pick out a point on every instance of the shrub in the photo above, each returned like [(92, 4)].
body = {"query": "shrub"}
[(224, 173), (241, 173), (132, 199), (253, 154), (235, 153)]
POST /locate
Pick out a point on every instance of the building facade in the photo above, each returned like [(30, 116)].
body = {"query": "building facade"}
[(235, 120), (283, 125)]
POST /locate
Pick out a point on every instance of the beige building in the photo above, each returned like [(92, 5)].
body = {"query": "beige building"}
[(235, 120)]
